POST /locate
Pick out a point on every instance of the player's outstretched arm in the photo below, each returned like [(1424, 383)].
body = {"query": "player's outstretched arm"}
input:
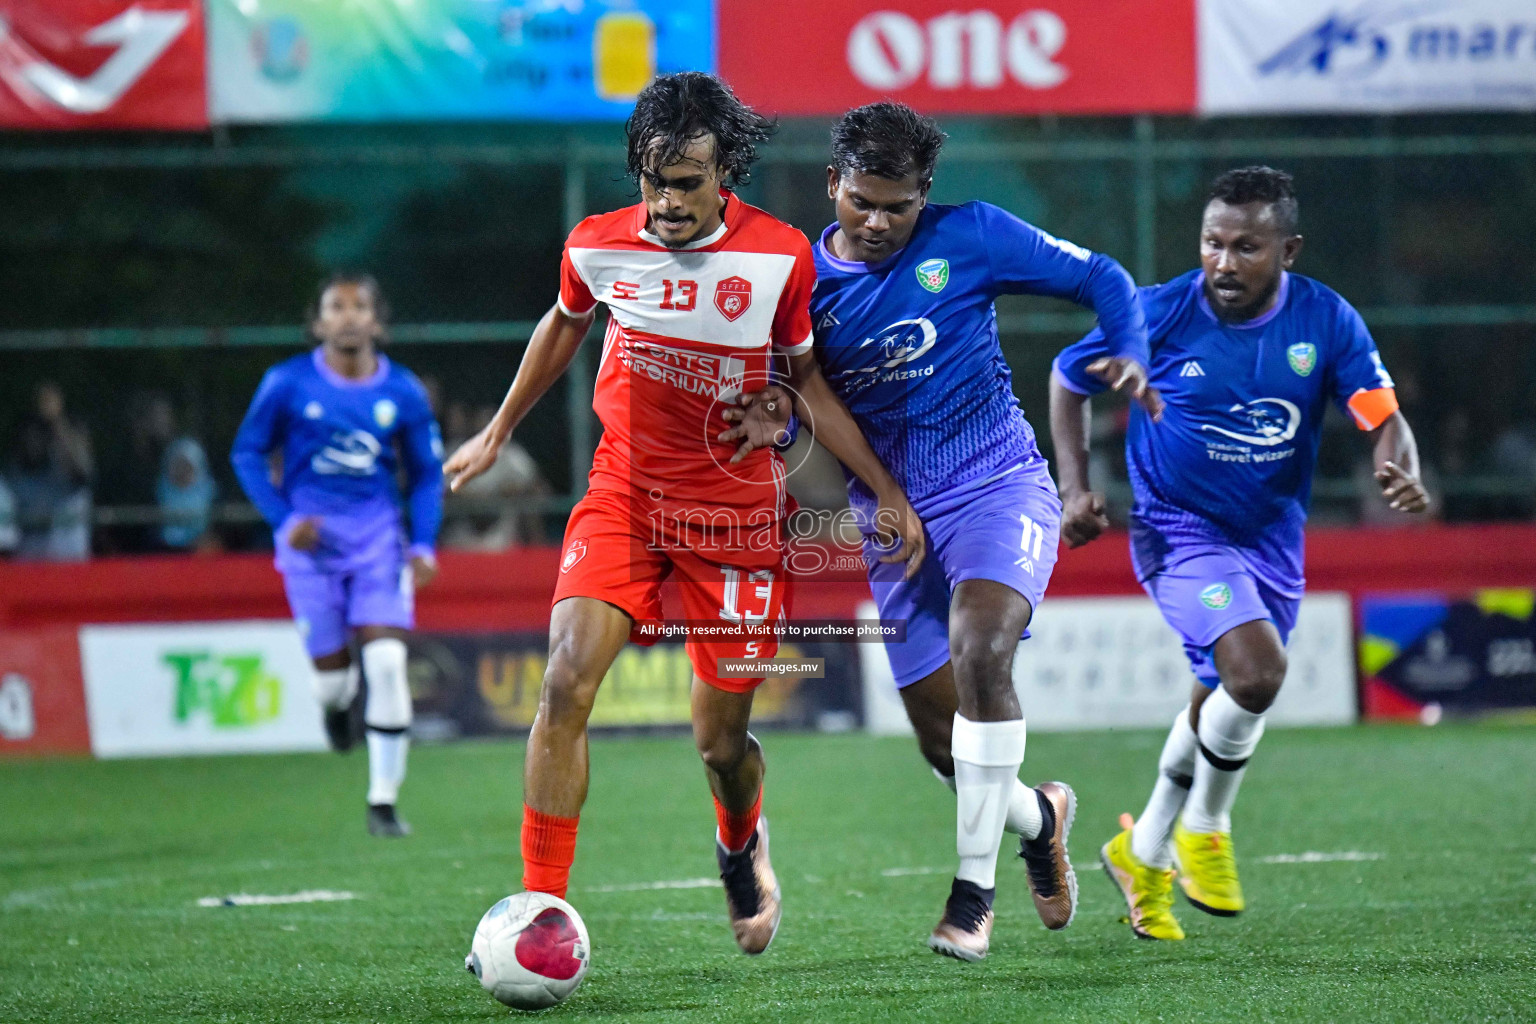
[(1082, 508), (550, 351), (828, 420), (1396, 455)]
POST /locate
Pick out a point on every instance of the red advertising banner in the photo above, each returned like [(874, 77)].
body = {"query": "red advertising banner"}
[(102, 64), (972, 57), (42, 698)]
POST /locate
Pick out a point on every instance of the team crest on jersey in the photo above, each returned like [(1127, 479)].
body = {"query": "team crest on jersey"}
[(1302, 356), (313, 411), (1216, 596), (733, 296), (933, 274), (384, 412), (573, 554)]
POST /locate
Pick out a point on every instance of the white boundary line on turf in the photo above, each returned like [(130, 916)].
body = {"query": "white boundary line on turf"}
[(249, 900)]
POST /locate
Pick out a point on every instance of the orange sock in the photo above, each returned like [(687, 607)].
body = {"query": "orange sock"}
[(549, 847), (736, 827)]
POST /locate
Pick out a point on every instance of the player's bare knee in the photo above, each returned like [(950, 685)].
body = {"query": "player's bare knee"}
[(722, 754), (567, 694), (984, 663), (1256, 683)]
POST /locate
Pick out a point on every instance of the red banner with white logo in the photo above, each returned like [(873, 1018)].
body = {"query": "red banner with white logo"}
[(102, 64), (42, 698), (975, 57)]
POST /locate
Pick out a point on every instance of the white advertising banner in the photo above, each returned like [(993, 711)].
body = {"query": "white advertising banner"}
[(1259, 56), (1112, 662), (198, 688)]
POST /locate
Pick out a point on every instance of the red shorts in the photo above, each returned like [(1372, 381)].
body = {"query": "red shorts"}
[(730, 576)]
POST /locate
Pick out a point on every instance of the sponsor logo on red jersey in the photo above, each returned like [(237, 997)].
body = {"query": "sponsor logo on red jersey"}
[(702, 373)]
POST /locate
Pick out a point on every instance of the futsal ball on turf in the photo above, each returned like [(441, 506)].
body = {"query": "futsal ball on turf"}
[(530, 950)]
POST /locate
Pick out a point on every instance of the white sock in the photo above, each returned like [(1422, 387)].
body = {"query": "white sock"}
[(1024, 817), (335, 687), (386, 765), (388, 717), (987, 759), (1228, 737), (1175, 773)]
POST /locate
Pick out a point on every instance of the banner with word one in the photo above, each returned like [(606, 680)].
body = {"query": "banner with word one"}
[(1113, 663), (198, 688), (102, 64), (380, 60), (1258, 56), (981, 57)]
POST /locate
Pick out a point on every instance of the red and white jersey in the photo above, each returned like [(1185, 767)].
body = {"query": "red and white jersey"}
[(690, 330)]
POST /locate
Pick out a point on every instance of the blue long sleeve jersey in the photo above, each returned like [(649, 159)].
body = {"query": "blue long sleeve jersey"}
[(910, 344), (338, 439), (1231, 461)]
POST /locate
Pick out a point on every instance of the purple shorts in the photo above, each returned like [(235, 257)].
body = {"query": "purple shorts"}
[(1005, 532), (327, 606), (1204, 592)]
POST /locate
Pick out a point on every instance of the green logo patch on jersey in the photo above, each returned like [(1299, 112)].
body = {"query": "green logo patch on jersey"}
[(1302, 356), (1216, 596), (933, 274)]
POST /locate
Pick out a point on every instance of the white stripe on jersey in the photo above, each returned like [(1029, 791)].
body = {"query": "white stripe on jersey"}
[(610, 335), (636, 283), (778, 486)]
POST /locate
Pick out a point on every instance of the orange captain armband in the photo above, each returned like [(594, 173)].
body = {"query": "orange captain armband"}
[(1372, 408)]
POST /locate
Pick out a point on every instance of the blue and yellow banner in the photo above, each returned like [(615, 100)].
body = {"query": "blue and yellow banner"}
[(393, 60)]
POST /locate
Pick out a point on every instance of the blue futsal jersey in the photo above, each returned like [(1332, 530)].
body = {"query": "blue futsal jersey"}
[(1231, 462), (910, 344), (338, 438)]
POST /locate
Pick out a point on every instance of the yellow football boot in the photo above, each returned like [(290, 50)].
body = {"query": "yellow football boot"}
[(1147, 891), (1208, 871)]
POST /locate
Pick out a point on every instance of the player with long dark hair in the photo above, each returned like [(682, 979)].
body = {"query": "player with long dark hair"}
[(337, 415), (703, 292)]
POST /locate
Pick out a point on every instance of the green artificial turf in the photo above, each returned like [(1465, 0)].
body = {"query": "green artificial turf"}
[(102, 864)]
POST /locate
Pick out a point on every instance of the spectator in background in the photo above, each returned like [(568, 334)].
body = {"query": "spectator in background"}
[(184, 493), (484, 514), (130, 477), (50, 480), (163, 469)]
